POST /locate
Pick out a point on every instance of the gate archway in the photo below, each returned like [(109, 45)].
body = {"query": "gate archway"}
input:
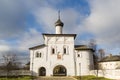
[(59, 70), (42, 71)]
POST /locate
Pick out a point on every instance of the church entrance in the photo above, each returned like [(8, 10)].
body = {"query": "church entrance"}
[(42, 71), (59, 71)]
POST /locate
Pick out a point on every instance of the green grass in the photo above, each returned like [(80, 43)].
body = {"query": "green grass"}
[(77, 77), (90, 78), (18, 78)]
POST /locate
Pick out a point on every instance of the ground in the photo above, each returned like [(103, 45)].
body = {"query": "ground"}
[(58, 78), (16, 78), (90, 78)]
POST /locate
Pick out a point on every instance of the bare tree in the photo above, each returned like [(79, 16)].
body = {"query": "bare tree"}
[(10, 63), (101, 53), (27, 66), (93, 45)]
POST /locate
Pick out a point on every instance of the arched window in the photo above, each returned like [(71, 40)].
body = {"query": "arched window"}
[(64, 50), (37, 54), (40, 55), (53, 51)]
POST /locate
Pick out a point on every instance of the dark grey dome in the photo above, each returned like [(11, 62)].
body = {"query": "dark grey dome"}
[(59, 23)]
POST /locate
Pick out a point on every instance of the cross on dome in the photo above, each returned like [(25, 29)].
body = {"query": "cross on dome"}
[(59, 22)]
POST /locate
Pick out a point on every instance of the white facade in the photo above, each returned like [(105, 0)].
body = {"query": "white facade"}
[(60, 56), (111, 62), (110, 65)]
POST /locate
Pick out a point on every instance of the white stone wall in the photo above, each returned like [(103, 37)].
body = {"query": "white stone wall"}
[(109, 69), (111, 74), (67, 60), (84, 62), (109, 65), (37, 62), (15, 73)]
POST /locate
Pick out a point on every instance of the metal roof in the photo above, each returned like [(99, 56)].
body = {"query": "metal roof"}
[(83, 47), (111, 58), (36, 47)]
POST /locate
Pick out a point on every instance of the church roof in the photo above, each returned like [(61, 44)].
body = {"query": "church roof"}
[(36, 47), (59, 34), (111, 58), (83, 47)]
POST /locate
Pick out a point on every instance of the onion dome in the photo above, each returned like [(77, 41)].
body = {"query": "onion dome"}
[(59, 23)]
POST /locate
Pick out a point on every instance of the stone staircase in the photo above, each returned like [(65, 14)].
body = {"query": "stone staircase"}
[(56, 78)]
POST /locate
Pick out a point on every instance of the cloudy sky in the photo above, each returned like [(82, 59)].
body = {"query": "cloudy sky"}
[(23, 21)]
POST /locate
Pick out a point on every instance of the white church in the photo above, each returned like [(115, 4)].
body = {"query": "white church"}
[(59, 56)]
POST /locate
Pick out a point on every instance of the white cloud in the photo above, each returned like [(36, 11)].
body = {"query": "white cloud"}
[(13, 23), (47, 16), (4, 48), (12, 19), (30, 39), (103, 21), (70, 18), (13, 16)]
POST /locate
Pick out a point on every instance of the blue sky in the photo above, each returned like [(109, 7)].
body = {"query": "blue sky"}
[(23, 21)]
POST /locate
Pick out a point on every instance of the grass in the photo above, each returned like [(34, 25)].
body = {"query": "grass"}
[(77, 77), (90, 78), (17, 78)]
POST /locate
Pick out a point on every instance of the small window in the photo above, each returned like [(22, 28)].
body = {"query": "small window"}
[(78, 55), (64, 50), (37, 54), (40, 55), (53, 51)]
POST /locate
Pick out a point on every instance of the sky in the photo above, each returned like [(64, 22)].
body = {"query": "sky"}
[(22, 23)]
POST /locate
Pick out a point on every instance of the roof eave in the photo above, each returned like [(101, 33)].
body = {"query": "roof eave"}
[(59, 35), (36, 47)]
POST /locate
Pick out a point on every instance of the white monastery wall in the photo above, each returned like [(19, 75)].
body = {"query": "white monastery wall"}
[(110, 65), (84, 62), (111, 74)]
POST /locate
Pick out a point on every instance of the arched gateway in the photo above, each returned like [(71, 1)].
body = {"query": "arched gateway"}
[(59, 70), (42, 71)]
